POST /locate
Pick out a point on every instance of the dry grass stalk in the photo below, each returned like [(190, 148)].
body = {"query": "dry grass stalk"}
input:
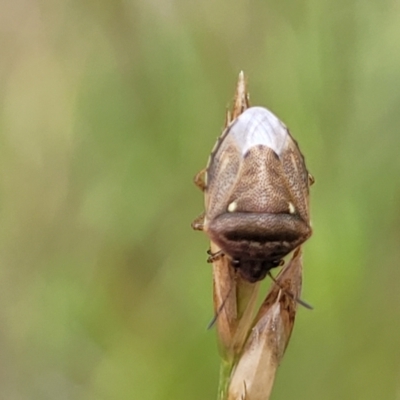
[(251, 348)]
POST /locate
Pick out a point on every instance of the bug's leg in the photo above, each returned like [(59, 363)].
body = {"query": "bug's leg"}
[(311, 179), (198, 223), (280, 263), (200, 179), (214, 256)]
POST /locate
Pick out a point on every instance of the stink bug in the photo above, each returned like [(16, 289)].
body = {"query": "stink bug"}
[(256, 188)]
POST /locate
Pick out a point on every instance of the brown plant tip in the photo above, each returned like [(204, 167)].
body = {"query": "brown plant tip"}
[(241, 101)]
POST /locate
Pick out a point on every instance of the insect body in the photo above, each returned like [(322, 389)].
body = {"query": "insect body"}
[(256, 189)]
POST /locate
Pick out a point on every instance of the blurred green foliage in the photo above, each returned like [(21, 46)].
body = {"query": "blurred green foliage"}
[(108, 110)]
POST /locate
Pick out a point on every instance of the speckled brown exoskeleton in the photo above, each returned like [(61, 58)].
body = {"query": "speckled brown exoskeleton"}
[(256, 188)]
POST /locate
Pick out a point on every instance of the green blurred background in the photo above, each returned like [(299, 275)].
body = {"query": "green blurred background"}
[(108, 109)]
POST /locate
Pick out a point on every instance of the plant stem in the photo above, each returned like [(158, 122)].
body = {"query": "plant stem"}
[(225, 370)]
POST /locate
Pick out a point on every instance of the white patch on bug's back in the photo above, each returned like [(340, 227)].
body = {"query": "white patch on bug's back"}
[(232, 207), (259, 126), (292, 209)]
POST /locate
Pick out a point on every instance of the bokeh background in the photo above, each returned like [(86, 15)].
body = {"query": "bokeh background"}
[(108, 109)]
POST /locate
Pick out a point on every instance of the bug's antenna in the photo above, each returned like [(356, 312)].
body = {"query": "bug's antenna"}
[(296, 299), (220, 308)]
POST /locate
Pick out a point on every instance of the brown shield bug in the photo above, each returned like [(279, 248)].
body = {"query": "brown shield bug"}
[(256, 188)]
